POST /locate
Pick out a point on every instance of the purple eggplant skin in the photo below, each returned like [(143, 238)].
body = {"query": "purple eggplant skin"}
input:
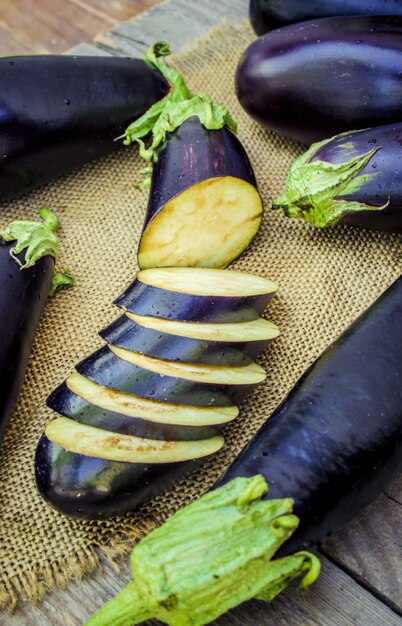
[(106, 369), (143, 299), (124, 333), (190, 155), (65, 402), (265, 15), (336, 441), (58, 112), (23, 295), (86, 487), (316, 79)]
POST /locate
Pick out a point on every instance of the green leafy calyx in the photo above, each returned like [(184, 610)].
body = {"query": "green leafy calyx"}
[(169, 113), (209, 557), (314, 188)]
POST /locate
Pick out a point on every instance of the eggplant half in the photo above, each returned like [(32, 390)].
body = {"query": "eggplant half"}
[(197, 295), (316, 79), (336, 441), (26, 277), (352, 178), (58, 112), (204, 207), (266, 15), (127, 417)]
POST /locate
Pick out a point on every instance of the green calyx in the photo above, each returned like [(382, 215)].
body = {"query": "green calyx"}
[(209, 557), (314, 188), (174, 109), (37, 240)]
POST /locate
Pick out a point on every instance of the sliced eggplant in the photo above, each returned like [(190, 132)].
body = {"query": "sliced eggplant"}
[(111, 371), (86, 487), (124, 333), (91, 441), (150, 410), (197, 295), (67, 403)]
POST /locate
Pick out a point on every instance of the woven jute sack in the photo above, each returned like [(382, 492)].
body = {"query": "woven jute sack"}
[(326, 279)]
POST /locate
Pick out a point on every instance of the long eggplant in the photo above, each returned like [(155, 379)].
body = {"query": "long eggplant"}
[(27, 254), (125, 333), (316, 79), (58, 112), (336, 441), (352, 178), (221, 296), (133, 411), (204, 207), (266, 15)]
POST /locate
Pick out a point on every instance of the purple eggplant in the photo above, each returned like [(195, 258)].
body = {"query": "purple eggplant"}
[(77, 107), (312, 80), (26, 275), (197, 295), (353, 179), (125, 333), (85, 487), (266, 15), (336, 441), (204, 207)]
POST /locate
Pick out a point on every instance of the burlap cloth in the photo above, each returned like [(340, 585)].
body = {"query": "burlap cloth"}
[(326, 279)]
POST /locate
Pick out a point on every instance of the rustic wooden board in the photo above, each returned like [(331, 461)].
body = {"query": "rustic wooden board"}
[(334, 600)]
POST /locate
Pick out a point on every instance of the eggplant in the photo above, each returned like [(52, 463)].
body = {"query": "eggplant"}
[(85, 487), (58, 112), (352, 179), (26, 278), (125, 333), (197, 295), (266, 15), (336, 441), (204, 207), (172, 383), (316, 79)]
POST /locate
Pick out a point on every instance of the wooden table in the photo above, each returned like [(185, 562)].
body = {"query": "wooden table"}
[(361, 581)]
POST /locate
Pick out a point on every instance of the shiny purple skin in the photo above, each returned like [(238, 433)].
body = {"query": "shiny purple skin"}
[(266, 15), (58, 112), (316, 79), (105, 368), (86, 487), (143, 299), (336, 441), (65, 402), (23, 295), (190, 155), (124, 333), (382, 175)]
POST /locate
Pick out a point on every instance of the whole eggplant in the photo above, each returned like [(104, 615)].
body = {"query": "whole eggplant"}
[(316, 79), (266, 15), (352, 178), (58, 112), (336, 441), (24, 291)]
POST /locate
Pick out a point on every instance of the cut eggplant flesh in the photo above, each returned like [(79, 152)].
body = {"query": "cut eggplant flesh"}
[(160, 412), (124, 333), (245, 375), (64, 402), (107, 369), (255, 330), (95, 442), (197, 295), (221, 215)]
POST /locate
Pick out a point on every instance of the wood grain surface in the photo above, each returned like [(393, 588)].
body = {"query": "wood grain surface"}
[(361, 581)]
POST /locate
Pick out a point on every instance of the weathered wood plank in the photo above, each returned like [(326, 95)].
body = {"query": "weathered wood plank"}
[(334, 600), (178, 21), (371, 548)]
